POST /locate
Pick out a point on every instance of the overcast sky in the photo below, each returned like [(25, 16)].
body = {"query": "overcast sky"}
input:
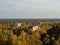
[(29, 9)]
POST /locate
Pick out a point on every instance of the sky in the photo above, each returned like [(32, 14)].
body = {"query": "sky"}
[(17, 9)]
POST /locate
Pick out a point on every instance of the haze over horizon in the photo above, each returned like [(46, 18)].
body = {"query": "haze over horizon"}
[(29, 9)]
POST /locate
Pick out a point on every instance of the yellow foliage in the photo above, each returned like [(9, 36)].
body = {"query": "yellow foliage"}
[(5, 38), (0, 31), (18, 42), (37, 35)]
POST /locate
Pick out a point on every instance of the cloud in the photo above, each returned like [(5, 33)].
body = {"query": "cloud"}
[(29, 8)]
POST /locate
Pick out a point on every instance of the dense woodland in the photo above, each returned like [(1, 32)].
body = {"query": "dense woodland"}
[(48, 33)]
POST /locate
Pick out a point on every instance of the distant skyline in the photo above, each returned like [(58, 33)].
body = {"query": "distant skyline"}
[(29, 9)]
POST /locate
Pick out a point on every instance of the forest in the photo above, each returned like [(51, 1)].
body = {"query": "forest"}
[(46, 33)]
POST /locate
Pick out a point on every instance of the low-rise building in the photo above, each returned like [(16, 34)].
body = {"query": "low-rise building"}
[(17, 24), (35, 27)]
